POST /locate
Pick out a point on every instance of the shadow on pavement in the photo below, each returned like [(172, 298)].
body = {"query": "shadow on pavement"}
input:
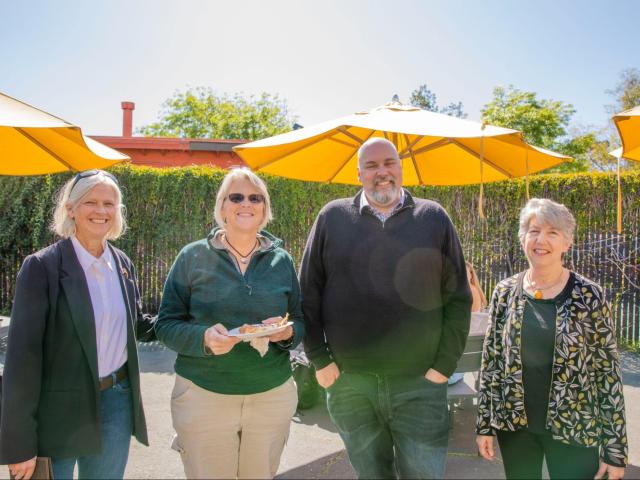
[(630, 365), (335, 465), (156, 358), (317, 416), (632, 471)]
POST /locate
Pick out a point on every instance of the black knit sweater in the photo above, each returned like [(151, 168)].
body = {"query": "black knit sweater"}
[(388, 298)]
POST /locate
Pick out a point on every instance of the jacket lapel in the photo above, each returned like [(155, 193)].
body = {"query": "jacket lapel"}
[(128, 294), (74, 284)]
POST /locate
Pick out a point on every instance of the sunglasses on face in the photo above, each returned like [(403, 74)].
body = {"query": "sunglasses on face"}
[(90, 173), (239, 198)]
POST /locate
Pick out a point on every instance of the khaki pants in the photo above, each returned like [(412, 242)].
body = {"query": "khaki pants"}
[(231, 436)]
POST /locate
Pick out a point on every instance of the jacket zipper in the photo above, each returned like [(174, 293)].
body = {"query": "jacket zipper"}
[(244, 277)]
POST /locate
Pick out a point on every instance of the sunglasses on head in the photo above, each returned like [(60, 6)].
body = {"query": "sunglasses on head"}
[(90, 173), (239, 197)]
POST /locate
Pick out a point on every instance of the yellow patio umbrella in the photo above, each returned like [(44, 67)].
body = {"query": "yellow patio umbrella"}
[(435, 149), (628, 125), (33, 142)]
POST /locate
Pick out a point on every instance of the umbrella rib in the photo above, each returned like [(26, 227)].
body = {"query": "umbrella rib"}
[(410, 145), (484, 158), (343, 142), (347, 160), (43, 147), (345, 131), (440, 143), (413, 158), (296, 150)]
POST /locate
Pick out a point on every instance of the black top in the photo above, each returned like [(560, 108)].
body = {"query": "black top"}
[(538, 344), (386, 297)]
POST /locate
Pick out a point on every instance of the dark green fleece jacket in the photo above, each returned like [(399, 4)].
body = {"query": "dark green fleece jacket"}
[(205, 287)]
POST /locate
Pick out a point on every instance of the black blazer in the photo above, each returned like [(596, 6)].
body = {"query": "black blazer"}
[(51, 395)]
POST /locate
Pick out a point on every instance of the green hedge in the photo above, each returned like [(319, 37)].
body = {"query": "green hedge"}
[(167, 208)]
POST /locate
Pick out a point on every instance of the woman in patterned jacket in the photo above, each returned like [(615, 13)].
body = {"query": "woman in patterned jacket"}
[(550, 385)]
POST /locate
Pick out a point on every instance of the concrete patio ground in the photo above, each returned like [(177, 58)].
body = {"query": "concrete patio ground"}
[(314, 449)]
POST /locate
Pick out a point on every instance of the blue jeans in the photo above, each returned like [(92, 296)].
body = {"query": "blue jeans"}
[(393, 426), (116, 410)]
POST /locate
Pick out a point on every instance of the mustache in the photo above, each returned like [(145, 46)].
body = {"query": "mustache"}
[(384, 179)]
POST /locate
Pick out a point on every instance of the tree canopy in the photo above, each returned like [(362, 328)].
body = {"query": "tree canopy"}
[(543, 123), (424, 98), (201, 113), (626, 93)]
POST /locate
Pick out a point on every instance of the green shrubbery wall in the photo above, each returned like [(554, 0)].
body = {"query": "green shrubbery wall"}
[(167, 208)]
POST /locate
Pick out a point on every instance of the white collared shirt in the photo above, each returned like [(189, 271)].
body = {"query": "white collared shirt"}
[(364, 202), (109, 310)]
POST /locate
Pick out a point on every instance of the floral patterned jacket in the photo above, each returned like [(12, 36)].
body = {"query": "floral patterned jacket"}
[(586, 404)]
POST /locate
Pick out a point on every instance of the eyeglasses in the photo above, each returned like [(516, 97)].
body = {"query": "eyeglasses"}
[(239, 198), (90, 173)]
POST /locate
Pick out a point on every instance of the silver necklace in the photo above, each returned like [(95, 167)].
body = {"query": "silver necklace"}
[(243, 258)]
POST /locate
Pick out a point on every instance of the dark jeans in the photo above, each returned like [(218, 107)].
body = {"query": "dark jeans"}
[(392, 426), (117, 426), (523, 451)]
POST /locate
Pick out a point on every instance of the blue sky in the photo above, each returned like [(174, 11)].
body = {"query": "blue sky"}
[(79, 59)]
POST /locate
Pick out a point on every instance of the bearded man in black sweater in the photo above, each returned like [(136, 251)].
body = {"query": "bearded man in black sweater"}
[(387, 308)]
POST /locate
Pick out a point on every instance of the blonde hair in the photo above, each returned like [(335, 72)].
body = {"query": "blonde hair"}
[(241, 173), (70, 196), (550, 213), (475, 282)]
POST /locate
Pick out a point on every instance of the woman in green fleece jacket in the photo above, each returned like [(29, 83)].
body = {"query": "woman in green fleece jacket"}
[(231, 406)]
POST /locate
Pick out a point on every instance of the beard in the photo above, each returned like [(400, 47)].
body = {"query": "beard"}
[(386, 197)]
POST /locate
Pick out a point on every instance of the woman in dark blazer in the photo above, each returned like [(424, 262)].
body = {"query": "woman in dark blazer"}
[(71, 386)]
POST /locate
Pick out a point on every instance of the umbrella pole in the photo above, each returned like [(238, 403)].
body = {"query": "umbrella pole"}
[(619, 204), (481, 196), (526, 170)]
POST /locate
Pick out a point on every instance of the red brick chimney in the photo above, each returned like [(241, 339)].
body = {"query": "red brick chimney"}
[(127, 118)]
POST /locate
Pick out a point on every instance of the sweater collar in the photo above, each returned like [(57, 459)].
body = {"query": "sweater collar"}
[(267, 241), (406, 198)]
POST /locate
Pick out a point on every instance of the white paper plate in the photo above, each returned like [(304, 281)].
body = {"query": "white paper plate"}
[(235, 332)]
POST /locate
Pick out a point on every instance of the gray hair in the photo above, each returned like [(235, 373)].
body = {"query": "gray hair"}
[(375, 141), (70, 196), (550, 213), (242, 173)]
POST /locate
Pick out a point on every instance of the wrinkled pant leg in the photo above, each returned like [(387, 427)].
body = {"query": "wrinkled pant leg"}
[(522, 454), (63, 468), (419, 424), (207, 426), (116, 408), (116, 428), (266, 420), (569, 461), (352, 404)]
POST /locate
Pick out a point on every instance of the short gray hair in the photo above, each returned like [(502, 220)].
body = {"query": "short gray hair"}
[(375, 141), (242, 173), (550, 213), (70, 196)]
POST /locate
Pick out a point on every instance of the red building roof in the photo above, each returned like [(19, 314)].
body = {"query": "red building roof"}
[(171, 152)]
